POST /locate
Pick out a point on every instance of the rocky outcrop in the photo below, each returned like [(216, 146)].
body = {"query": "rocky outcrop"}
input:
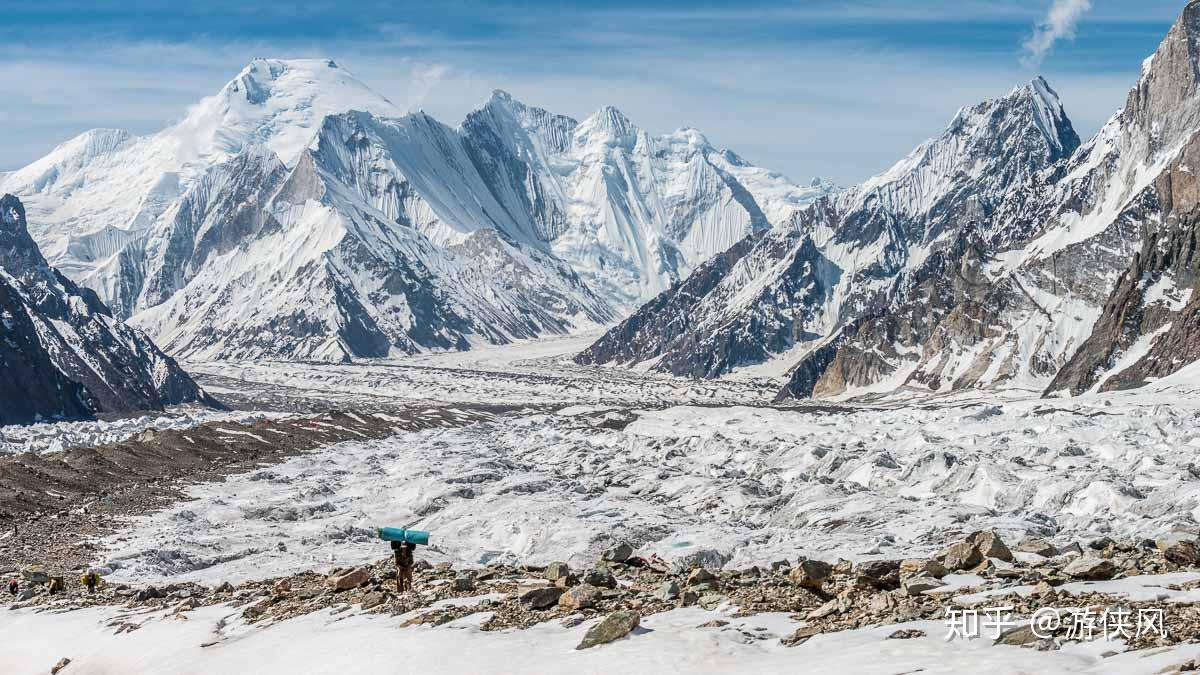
[(62, 354)]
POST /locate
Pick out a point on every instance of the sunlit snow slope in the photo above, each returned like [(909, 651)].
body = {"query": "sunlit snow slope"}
[(298, 214)]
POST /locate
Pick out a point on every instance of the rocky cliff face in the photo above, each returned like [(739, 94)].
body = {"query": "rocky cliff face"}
[(62, 354)]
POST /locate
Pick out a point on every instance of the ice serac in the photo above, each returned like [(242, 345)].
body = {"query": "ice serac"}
[(849, 256), (62, 354), (296, 214)]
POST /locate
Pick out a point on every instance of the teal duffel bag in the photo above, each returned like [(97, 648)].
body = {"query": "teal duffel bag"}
[(419, 537)]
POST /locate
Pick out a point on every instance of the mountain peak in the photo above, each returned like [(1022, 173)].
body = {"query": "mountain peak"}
[(18, 252), (1051, 117), (608, 125)]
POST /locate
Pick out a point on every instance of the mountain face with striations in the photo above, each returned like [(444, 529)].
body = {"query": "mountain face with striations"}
[(1002, 253), (297, 214), (62, 354)]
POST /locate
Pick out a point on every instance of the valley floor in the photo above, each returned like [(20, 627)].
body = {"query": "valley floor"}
[(580, 459)]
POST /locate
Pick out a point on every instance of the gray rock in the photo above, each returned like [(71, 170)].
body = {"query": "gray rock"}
[(711, 601), (464, 583), (1183, 552), (373, 599), (557, 570), (700, 576), (800, 636), (541, 598), (601, 577), (583, 596), (35, 575), (352, 579), (668, 590), (917, 585), (1038, 546), (991, 546), (922, 567), (1091, 569), (961, 555), (811, 573), (618, 554), (614, 627)]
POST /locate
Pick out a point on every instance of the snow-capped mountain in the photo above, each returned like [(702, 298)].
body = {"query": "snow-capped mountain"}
[(62, 354), (297, 214), (847, 255), (996, 254)]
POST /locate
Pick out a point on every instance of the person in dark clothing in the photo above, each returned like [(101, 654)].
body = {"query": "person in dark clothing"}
[(13, 586), (404, 565)]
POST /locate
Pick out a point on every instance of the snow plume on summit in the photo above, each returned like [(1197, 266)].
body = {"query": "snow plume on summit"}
[(1059, 24)]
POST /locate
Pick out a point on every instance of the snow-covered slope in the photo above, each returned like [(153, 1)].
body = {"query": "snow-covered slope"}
[(998, 254), (62, 354), (298, 214), (846, 256)]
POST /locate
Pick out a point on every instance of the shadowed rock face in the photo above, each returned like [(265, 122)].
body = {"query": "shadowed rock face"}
[(62, 355), (1153, 308)]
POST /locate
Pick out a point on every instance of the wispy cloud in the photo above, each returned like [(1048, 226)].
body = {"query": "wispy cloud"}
[(1059, 24)]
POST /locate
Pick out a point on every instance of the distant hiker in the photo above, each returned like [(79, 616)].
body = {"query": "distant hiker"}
[(13, 586), (91, 580), (404, 565), (56, 585)]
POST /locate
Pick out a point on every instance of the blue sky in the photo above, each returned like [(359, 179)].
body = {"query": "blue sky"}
[(839, 89)]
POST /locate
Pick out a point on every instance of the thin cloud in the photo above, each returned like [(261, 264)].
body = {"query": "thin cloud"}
[(1059, 24)]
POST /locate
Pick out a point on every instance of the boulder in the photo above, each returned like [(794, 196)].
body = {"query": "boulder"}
[(1091, 569), (373, 599), (688, 598), (579, 597), (991, 546), (700, 576), (917, 585), (906, 634), (811, 573), (1101, 544), (464, 583), (800, 636), (557, 570), (601, 577), (711, 601), (352, 579), (883, 574), (922, 567), (1183, 552), (62, 663), (618, 554), (668, 591), (614, 627), (541, 598), (1017, 636), (35, 575), (1038, 546), (961, 555)]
